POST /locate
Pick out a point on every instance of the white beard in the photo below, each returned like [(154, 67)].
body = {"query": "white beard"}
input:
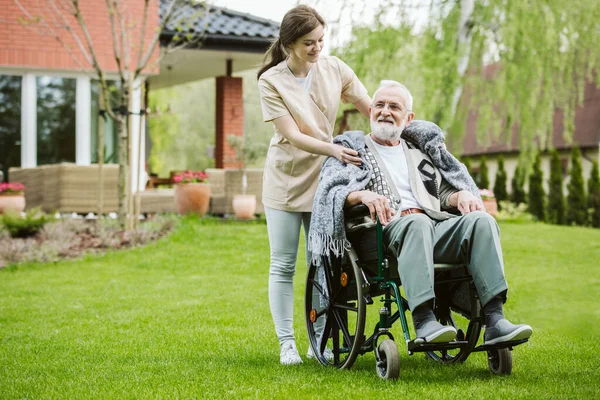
[(387, 132)]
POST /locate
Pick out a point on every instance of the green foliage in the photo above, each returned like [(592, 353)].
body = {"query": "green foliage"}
[(483, 180), (514, 213), (576, 199), (247, 152), (525, 60), (537, 196), (556, 198), (500, 183), (518, 194), (467, 162), (594, 196), (24, 226)]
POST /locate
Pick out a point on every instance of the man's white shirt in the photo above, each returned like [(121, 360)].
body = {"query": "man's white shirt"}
[(395, 162)]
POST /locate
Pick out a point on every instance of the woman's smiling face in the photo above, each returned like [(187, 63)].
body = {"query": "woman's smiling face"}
[(308, 47)]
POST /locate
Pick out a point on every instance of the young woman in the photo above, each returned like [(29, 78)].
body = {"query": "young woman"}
[(300, 93)]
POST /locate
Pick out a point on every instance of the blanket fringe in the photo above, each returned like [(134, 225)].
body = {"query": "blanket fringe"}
[(323, 245)]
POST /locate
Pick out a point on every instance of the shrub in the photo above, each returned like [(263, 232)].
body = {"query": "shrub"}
[(556, 198), (577, 212), (594, 196), (537, 196), (483, 181), (467, 162), (500, 183), (28, 225), (512, 212), (518, 194)]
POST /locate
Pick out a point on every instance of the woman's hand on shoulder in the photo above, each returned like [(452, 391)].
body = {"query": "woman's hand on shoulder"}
[(345, 155)]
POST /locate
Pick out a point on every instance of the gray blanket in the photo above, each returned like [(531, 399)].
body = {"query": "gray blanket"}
[(337, 180), (327, 236)]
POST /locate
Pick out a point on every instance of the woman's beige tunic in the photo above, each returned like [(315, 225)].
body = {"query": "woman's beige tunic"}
[(291, 175)]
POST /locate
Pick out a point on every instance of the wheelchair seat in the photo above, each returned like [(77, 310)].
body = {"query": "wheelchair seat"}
[(361, 232)]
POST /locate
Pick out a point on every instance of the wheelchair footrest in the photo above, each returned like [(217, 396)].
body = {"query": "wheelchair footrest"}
[(497, 346), (415, 348)]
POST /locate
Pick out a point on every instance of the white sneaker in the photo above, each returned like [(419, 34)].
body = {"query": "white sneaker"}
[(288, 353), (328, 354)]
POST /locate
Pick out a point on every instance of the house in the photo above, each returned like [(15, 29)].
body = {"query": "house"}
[(586, 136), (49, 104)]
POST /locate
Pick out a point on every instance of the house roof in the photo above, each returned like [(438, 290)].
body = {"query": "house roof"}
[(585, 135), (222, 29)]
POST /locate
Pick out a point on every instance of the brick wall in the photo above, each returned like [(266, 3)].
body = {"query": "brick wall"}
[(230, 119), (28, 47)]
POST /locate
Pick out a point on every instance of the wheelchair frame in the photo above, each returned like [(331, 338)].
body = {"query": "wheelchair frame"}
[(347, 288)]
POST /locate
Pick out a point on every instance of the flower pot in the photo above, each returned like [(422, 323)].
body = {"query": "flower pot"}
[(15, 202), (244, 206), (491, 206), (192, 198)]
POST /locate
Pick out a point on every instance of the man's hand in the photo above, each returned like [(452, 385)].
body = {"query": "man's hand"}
[(466, 202), (378, 206)]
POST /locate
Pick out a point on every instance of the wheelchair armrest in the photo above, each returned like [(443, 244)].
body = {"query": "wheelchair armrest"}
[(357, 211)]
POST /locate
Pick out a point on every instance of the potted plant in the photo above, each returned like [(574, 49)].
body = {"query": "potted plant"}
[(12, 196), (246, 152), (489, 201), (192, 192)]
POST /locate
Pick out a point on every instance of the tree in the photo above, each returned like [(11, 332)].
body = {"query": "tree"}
[(556, 198), (520, 60), (500, 183), (467, 162), (576, 201), (518, 194), (594, 196), (483, 180), (537, 196), (64, 21)]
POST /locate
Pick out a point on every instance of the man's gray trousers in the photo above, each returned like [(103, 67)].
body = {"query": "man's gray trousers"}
[(418, 242)]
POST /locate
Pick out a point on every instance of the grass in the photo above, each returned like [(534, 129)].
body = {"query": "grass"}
[(188, 317)]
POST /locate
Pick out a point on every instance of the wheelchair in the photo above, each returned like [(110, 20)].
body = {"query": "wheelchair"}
[(338, 292)]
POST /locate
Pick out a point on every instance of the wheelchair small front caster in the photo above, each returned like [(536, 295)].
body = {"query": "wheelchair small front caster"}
[(500, 361), (388, 360)]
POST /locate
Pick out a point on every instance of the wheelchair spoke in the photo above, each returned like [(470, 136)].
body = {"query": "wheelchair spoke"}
[(346, 307), (317, 286), (325, 335), (343, 327)]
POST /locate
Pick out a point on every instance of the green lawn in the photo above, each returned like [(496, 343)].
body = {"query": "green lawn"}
[(188, 317)]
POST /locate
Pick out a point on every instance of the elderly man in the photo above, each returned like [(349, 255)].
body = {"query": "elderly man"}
[(410, 197)]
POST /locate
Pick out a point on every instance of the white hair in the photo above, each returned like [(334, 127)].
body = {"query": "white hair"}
[(386, 84)]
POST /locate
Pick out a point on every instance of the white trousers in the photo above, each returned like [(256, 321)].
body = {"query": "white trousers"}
[(284, 236)]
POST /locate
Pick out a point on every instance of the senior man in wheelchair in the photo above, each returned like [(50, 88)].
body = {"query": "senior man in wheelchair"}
[(426, 219)]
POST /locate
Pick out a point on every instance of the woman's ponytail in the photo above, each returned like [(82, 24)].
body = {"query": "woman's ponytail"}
[(276, 53)]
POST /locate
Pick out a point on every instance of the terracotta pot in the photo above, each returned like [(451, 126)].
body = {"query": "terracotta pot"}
[(192, 198), (15, 202), (244, 206), (491, 207)]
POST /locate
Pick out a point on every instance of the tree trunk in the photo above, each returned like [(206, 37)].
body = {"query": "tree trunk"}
[(100, 151), (130, 153), (123, 168), (463, 47)]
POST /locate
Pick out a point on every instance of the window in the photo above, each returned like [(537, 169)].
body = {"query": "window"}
[(111, 144), (55, 120), (10, 123)]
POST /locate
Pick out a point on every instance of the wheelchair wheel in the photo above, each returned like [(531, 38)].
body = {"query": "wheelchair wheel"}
[(388, 363), (335, 310), (500, 361), (467, 331)]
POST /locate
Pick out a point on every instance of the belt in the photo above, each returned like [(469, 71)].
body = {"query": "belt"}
[(411, 211)]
